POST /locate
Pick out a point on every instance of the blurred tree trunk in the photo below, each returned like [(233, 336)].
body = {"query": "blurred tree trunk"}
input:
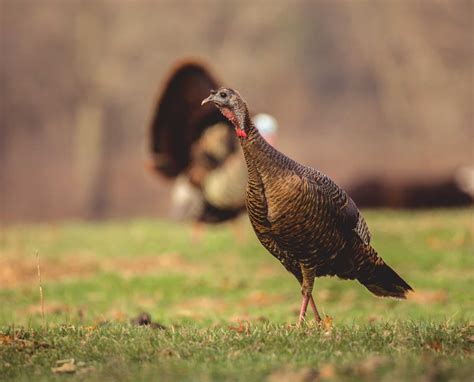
[(91, 135)]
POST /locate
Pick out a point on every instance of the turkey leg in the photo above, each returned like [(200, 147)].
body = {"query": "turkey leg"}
[(307, 283), (304, 307), (315, 310)]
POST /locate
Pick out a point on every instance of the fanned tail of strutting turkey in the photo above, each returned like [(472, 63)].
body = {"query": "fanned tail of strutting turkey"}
[(179, 119), (383, 281)]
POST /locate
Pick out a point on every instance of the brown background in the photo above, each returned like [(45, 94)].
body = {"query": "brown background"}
[(360, 88)]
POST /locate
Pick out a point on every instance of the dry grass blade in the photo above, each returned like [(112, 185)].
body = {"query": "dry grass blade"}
[(40, 288)]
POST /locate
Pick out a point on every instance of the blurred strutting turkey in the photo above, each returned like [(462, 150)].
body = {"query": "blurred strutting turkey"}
[(302, 217), (198, 147)]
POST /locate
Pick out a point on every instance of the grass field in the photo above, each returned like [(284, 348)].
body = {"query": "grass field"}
[(228, 307)]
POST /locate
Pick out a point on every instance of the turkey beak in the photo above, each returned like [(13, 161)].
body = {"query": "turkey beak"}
[(207, 100)]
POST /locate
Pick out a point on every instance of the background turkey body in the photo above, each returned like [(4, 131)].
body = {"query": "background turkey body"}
[(213, 187), (209, 190), (302, 217), (197, 146)]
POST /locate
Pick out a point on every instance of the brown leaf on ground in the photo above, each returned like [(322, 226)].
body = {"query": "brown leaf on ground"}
[(65, 366), (5, 340), (305, 374), (326, 323), (19, 343), (435, 345), (243, 327)]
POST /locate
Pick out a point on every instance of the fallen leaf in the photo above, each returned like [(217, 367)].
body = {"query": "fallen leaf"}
[(67, 366), (5, 340), (305, 374), (244, 327), (17, 342), (435, 345), (327, 323)]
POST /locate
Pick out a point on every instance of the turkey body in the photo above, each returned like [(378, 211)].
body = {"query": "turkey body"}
[(210, 189), (303, 218), (309, 223)]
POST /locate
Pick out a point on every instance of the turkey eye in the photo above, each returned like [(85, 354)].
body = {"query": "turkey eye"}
[(223, 95)]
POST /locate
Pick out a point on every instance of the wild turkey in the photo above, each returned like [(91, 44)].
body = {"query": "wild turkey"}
[(197, 146), (302, 217)]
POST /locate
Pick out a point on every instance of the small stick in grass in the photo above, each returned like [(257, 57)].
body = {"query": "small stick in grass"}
[(40, 287)]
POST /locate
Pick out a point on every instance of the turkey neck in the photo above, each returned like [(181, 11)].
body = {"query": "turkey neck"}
[(259, 154)]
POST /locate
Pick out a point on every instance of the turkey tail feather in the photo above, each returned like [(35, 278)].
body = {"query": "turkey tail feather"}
[(383, 281)]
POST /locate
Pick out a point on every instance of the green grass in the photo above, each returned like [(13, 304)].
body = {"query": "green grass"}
[(96, 277)]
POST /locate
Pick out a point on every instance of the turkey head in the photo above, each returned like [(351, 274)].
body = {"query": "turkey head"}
[(232, 106)]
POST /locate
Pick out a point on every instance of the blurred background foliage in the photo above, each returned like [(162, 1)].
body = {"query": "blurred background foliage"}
[(360, 89)]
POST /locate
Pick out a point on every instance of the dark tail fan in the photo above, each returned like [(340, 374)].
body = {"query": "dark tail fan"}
[(385, 282)]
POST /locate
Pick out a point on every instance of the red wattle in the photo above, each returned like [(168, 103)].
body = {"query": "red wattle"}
[(241, 133)]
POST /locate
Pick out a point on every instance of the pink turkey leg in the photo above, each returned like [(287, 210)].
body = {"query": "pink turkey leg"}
[(315, 310), (304, 306)]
